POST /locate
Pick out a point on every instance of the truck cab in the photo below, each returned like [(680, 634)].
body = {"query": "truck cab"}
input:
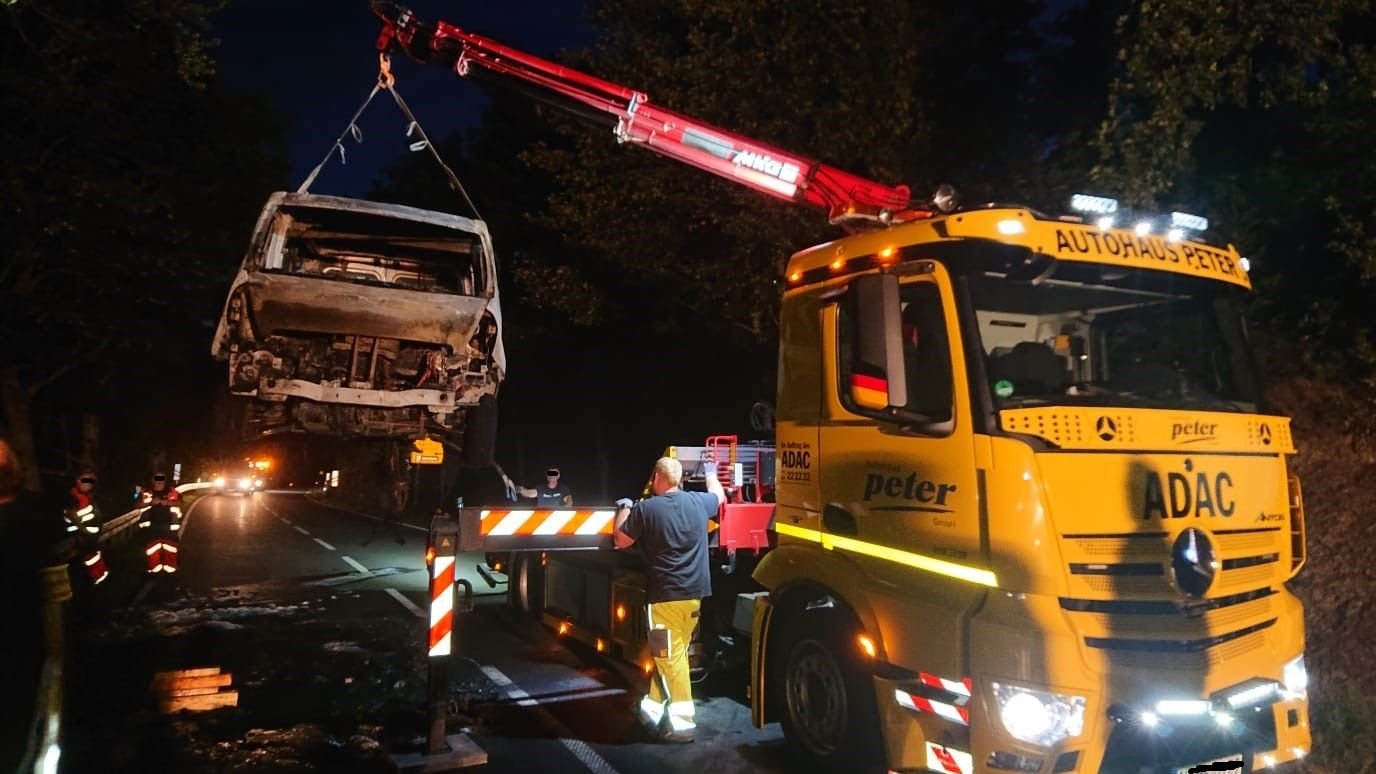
[(1034, 516)]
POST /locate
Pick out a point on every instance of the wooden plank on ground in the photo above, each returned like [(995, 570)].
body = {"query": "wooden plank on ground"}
[(199, 681), (206, 691), (165, 677), (201, 703)]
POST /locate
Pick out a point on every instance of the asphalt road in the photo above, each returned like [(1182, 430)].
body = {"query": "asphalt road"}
[(319, 615)]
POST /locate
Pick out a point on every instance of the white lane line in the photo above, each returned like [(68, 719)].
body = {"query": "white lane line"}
[(580, 749), (333, 507), (406, 603), (349, 560), (282, 518), (327, 546)]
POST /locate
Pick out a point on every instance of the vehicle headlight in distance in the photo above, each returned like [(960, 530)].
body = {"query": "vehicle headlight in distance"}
[(220, 482), (1039, 717), (1295, 676), (245, 483), (258, 483)]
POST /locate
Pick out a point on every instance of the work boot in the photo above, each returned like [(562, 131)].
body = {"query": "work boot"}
[(666, 732), (670, 735)]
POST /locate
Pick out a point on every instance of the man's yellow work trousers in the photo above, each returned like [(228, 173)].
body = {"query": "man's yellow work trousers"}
[(669, 683)]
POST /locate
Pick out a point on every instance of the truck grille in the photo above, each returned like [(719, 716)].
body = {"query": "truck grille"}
[(1140, 633), (1196, 645), (1136, 565)]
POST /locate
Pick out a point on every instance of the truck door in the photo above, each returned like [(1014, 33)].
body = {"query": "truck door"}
[(798, 410), (900, 490)]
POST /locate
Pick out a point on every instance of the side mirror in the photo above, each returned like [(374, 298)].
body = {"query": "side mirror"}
[(877, 377), (762, 416)]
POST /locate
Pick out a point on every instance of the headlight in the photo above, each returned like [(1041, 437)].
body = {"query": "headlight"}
[(258, 483), (1039, 717), (245, 483), (1296, 677), (219, 483)]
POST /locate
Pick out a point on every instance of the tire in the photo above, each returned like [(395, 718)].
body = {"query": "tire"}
[(526, 584), (826, 699)]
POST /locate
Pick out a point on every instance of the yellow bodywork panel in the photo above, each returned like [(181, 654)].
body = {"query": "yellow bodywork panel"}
[(1127, 430)]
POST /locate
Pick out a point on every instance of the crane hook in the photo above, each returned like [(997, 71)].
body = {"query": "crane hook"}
[(385, 79)]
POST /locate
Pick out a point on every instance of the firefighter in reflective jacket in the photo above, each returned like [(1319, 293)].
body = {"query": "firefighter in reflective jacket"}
[(162, 517), (83, 524)]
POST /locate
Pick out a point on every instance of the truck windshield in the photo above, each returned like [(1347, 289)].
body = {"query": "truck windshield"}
[(1084, 336)]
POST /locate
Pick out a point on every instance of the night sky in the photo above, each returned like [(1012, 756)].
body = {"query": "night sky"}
[(317, 60)]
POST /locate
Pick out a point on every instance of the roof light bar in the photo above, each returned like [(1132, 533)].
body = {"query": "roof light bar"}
[(1188, 221), (1182, 707), (1099, 205)]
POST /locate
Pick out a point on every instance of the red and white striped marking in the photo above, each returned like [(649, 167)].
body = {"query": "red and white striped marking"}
[(162, 556), (920, 704), (547, 522), (959, 688), (949, 759), (441, 606), (95, 567)]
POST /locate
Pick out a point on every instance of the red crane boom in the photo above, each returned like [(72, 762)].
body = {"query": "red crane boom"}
[(779, 173)]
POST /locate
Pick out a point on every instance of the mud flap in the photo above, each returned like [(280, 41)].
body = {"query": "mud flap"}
[(480, 433), (763, 617)]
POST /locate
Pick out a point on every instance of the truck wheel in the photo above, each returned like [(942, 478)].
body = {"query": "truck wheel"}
[(526, 584), (827, 699)]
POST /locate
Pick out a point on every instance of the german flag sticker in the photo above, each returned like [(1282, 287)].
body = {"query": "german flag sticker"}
[(870, 392)]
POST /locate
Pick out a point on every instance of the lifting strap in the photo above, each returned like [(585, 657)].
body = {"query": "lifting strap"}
[(387, 82)]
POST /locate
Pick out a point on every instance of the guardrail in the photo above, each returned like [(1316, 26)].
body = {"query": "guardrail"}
[(124, 521)]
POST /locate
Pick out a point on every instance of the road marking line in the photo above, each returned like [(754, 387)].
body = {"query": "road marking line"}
[(580, 749), (334, 507), (326, 545), (284, 521), (302, 531), (406, 603), (350, 561)]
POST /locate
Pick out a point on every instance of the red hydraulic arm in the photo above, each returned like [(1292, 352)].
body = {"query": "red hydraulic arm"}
[(841, 195)]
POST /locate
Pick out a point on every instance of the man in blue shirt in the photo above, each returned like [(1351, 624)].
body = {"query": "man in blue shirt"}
[(554, 494), (671, 530)]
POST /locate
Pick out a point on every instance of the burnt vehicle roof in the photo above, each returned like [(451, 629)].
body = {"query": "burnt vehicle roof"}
[(281, 199)]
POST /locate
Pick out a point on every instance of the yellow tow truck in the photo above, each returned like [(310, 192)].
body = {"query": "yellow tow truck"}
[(1030, 514)]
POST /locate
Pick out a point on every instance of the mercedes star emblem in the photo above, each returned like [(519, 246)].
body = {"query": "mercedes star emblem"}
[(1193, 562)]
